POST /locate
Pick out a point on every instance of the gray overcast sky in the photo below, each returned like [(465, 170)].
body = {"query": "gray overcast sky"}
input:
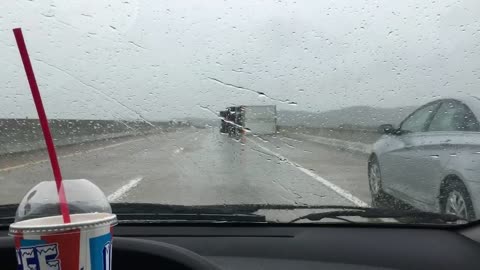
[(165, 59)]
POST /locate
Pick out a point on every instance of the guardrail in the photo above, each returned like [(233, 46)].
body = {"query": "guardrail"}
[(23, 135)]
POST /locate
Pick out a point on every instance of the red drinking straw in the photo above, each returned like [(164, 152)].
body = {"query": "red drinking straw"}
[(22, 48)]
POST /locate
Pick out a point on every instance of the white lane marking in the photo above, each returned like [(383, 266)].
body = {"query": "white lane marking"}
[(345, 194), (68, 155), (122, 191)]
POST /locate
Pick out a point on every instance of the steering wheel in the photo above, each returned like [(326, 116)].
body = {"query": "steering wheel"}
[(157, 251)]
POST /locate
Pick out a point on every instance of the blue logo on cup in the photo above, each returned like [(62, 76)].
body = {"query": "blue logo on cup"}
[(101, 252), (39, 257), (107, 256)]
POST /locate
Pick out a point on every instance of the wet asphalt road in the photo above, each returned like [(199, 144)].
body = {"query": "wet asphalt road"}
[(201, 166)]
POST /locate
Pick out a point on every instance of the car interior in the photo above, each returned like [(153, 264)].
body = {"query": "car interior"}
[(300, 246), (194, 118)]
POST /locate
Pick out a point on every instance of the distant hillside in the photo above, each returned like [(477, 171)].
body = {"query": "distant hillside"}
[(363, 116)]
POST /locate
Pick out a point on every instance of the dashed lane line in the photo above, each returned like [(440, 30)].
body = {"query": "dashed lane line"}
[(123, 190)]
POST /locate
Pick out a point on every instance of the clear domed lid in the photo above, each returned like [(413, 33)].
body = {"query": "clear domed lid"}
[(42, 200)]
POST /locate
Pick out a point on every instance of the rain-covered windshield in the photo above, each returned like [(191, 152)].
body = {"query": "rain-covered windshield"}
[(368, 104)]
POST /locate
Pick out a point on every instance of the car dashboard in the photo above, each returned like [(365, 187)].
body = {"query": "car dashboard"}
[(284, 247)]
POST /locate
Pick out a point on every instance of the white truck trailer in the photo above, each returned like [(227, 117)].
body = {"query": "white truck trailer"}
[(255, 119), (260, 120)]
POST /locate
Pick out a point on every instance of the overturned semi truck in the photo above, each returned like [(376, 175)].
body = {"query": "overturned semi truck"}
[(255, 119)]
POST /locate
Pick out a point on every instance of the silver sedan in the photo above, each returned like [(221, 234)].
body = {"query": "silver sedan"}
[(431, 161)]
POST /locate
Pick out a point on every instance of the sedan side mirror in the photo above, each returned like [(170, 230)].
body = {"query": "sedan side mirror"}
[(386, 129)]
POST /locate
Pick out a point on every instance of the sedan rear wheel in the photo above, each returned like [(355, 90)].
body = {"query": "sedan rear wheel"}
[(374, 179), (455, 200), (456, 205), (375, 183)]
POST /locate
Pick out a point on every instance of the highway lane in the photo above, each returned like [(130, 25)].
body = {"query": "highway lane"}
[(198, 167), (346, 169)]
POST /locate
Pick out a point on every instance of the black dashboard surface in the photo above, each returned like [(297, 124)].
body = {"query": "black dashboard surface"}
[(320, 247), (303, 247)]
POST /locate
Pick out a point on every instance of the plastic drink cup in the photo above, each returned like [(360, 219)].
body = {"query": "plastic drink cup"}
[(48, 244), (44, 242)]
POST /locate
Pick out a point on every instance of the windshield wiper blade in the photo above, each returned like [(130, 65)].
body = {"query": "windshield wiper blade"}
[(135, 212), (185, 217), (152, 213), (149, 212), (128, 208), (240, 207), (128, 212), (419, 216)]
